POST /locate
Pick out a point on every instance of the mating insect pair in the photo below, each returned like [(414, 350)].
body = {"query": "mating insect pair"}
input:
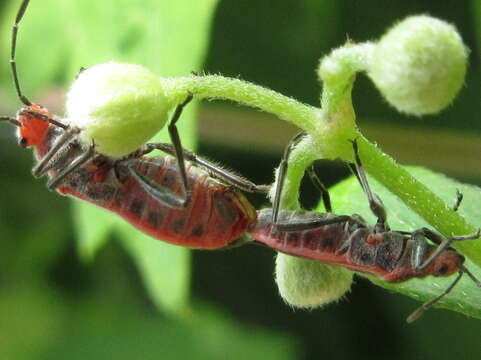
[(185, 205), (217, 215)]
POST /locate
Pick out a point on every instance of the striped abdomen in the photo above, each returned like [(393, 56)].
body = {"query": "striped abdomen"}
[(214, 218), (323, 243), (344, 243), (388, 255)]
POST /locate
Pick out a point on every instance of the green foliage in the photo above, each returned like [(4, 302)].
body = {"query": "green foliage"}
[(164, 267), (47, 328), (93, 227), (466, 297)]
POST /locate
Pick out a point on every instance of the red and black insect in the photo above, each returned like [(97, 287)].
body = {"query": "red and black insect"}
[(34, 121), (348, 241), (164, 197)]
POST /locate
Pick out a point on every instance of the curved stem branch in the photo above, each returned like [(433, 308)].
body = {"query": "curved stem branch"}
[(330, 130), (213, 87)]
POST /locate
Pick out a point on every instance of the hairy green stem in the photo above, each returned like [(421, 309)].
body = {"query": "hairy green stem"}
[(417, 196), (212, 87), (330, 130)]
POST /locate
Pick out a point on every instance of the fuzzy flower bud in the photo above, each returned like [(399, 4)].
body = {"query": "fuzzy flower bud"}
[(308, 284), (419, 65), (117, 106)]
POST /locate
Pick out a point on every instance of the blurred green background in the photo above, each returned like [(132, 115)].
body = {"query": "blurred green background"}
[(53, 305)]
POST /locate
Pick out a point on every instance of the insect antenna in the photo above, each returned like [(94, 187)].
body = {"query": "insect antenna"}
[(13, 64), (471, 276), (422, 309), (46, 118), (10, 120)]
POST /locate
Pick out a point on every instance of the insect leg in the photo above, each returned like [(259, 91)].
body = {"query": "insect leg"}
[(162, 194), (44, 164), (79, 161), (179, 154), (443, 244), (326, 199), (315, 223), (222, 174), (374, 202), (282, 175), (419, 249), (471, 276), (309, 224), (158, 192), (417, 314)]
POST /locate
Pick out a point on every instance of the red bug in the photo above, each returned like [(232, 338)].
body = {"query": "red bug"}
[(216, 216), (34, 120), (162, 196), (349, 241)]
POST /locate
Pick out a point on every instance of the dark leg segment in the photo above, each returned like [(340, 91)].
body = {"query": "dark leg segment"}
[(160, 193), (179, 153), (79, 161), (166, 196), (312, 224), (326, 199), (43, 165), (374, 202), (222, 174), (471, 276), (443, 244), (282, 175)]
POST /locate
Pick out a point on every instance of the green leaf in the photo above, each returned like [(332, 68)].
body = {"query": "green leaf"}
[(40, 325), (170, 37), (93, 226), (466, 297), (165, 268)]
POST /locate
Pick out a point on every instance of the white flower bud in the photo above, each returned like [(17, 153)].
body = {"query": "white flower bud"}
[(419, 65), (308, 284), (117, 106)]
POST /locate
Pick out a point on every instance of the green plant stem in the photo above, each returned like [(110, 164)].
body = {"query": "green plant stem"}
[(330, 130), (222, 88), (417, 196)]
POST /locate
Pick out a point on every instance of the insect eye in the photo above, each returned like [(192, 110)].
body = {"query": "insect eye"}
[(23, 141), (443, 269)]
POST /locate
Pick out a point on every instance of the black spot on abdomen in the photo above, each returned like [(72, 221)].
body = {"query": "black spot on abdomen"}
[(178, 225), (198, 230), (155, 218), (136, 208)]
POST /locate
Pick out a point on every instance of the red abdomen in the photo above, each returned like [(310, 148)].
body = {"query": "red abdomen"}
[(337, 244), (322, 243), (215, 217)]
